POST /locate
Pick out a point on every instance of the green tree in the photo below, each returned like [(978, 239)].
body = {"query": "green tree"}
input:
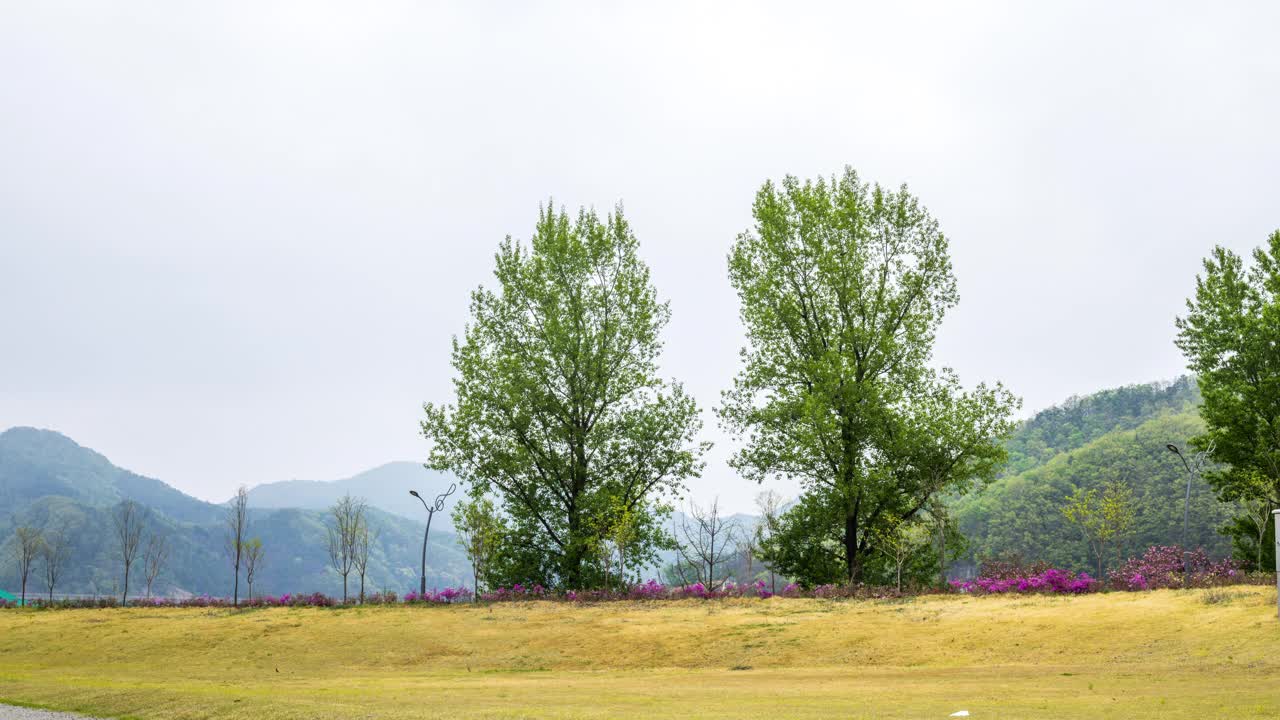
[(843, 286), (901, 541), (623, 532), (559, 409), (1102, 518), (1250, 531), (479, 532), (1231, 339)]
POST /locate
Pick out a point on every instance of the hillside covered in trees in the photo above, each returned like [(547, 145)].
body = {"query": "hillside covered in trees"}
[(1117, 435)]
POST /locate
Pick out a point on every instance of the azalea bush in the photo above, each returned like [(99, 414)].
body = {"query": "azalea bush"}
[(1164, 566), (1050, 581), (445, 596)]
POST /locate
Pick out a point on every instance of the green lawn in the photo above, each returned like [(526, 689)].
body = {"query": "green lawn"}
[(1166, 654)]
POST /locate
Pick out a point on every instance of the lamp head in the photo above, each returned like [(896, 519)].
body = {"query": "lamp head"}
[(415, 494), (1173, 449)]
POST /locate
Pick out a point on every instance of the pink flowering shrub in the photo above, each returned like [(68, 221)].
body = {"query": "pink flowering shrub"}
[(1051, 581), (444, 597), (1162, 566)]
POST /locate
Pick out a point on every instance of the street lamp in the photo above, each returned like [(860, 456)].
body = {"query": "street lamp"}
[(1186, 504), (1192, 473), (432, 509)]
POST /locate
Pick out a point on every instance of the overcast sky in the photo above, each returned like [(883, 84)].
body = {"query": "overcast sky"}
[(236, 238)]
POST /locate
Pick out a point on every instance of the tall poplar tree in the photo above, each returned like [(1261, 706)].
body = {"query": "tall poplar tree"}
[(559, 410), (843, 286)]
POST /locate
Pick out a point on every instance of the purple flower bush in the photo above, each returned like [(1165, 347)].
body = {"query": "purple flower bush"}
[(442, 597), (1051, 581), (1163, 566), (1159, 567)]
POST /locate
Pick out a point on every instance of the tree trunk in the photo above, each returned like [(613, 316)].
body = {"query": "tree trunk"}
[(852, 561), (124, 597), (344, 589), (361, 588), (942, 553)]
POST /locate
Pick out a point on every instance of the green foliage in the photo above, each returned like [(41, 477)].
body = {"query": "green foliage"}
[(1231, 338), (1251, 531), (1252, 541), (559, 410), (1081, 420), (1021, 514), (903, 541), (806, 542), (480, 533), (842, 287), (1103, 518)]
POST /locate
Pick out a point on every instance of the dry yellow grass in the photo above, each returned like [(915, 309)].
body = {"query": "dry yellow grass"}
[(1166, 654)]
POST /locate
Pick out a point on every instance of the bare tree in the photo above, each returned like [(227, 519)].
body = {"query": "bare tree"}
[(709, 540), (129, 519), (54, 552), (365, 539), (348, 517), (237, 526), (255, 556), (154, 558), (26, 546)]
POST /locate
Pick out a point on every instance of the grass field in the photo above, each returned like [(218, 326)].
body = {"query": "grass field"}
[(1165, 654)]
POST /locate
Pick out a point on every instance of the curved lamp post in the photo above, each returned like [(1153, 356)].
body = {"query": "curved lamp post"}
[(432, 509), (1186, 504), (1199, 460)]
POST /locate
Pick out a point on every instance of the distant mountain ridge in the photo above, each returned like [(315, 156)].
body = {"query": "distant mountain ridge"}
[(385, 487), (49, 481)]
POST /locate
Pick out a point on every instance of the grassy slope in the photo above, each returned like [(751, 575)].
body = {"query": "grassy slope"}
[(1145, 655)]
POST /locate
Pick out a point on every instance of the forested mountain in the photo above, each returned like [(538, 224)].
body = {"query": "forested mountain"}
[(385, 487), (1115, 435), (49, 482), (1081, 420)]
